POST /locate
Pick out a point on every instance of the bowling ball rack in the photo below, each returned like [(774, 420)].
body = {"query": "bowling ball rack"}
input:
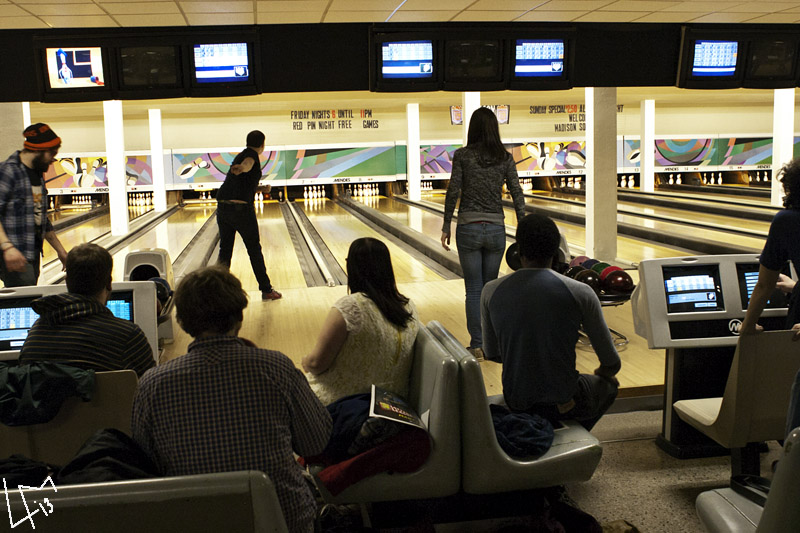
[(608, 300)]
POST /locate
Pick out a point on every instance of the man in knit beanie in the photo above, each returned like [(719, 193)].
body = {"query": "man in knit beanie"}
[(24, 225)]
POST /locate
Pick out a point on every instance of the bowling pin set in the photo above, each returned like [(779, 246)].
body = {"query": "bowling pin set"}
[(571, 182), (605, 279), (314, 192), (526, 184), (709, 179), (626, 182), (80, 200), (363, 190), (140, 199), (758, 178)]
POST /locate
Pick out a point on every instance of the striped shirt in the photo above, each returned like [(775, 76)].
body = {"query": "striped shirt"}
[(481, 189), (18, 210), (78, 330), (227, 406)]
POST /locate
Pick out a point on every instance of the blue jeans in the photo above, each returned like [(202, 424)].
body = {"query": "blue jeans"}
[(480, 250)]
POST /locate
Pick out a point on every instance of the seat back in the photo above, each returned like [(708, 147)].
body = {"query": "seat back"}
[(756, 397), (433, 393), (231, 501), (59, 440), (782, 512)]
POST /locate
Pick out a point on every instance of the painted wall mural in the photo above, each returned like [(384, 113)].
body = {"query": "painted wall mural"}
[(325, 165)]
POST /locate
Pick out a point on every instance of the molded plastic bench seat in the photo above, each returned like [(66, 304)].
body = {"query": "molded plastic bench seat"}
[(234, 502), (486, 468), (433, 393)]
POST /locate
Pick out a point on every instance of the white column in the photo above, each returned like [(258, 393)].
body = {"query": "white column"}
[(782, 138), (115, 169), (469, 103), (647, 143), (11, 127), (412, 153), (601, 173), (157, 161), (26, 114)]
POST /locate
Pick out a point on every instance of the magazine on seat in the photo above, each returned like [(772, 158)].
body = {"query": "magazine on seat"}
[(390, 406)]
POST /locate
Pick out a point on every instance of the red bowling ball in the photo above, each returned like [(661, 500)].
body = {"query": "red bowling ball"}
[(607, 271), (618, 282)]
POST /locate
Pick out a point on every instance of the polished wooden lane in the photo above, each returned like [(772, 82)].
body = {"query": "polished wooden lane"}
[(280, 257), (172, 234), (338, 228)]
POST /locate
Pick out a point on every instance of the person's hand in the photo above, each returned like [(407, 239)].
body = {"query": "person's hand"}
[(15, 261), (62, 256), (785, 283), (446, 241), (758, 328), (608, 377), (796, 329)]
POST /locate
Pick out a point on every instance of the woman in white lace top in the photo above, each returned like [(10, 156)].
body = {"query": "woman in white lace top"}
[(368, 336)]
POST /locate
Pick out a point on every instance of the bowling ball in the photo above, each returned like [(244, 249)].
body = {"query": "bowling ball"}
[(589, 263), (607, 271), (512, 257), (573, 271), (599, 267), (589, 277), (560, 266), (163, 291), (578, 260), (619, 282)]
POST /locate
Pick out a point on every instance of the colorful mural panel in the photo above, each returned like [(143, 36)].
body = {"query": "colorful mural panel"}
[(684, 152), (629, 154), (76, 172), (326, 164), (744, 151), (546, 156), (211, 167), (437, 158)]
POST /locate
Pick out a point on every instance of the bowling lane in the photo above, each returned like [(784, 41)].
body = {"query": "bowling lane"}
[(280, 257), (172, 234), (338, 228), (671, 228), (629, 249)]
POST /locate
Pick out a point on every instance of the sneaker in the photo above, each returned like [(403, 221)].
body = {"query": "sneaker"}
[(477, 353), (271, 295)]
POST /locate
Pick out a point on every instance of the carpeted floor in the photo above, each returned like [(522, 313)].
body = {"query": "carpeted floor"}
[(638, 482)]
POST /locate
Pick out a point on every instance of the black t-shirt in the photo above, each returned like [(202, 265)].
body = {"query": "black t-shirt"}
[(241, 187)]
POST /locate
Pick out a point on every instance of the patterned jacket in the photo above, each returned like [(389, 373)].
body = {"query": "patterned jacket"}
[(17, 207)]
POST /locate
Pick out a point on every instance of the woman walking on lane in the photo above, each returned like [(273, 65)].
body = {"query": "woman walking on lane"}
[(479, 170)]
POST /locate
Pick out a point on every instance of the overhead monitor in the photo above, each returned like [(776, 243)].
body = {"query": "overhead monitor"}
[(711, 59), (74, 68), (404, 62), (693, 288), (129, 300), (771, 62), (149, 67), (223, 68), (541, 63), (473, 64)]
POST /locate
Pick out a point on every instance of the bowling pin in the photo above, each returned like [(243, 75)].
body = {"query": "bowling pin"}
[(671, 179), (324, 192), (678, 179), (305, 193), (719, 178)]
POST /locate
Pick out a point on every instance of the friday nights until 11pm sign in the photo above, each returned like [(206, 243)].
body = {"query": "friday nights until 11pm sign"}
[(333, 119)]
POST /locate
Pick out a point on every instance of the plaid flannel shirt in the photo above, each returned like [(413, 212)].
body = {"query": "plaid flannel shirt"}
[(17, 207), (226, 406)]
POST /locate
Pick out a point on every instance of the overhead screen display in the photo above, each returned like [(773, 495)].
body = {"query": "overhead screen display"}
[(407, 59), (694, 288), (715, 58), (221, 63), (75, 68), (535, 58), (149, 66)]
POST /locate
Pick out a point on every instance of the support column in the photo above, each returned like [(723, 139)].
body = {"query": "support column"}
[(157, 161), (647, 143), (601, 173), (782, 139), (11, 127), (115, 167), (470, 101), (412, 153)]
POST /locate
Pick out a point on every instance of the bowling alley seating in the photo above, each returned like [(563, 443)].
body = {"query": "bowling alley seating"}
[(756, 399), (485, 467), (433, 393), (725, 510), (235, 502), (57, 441)]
